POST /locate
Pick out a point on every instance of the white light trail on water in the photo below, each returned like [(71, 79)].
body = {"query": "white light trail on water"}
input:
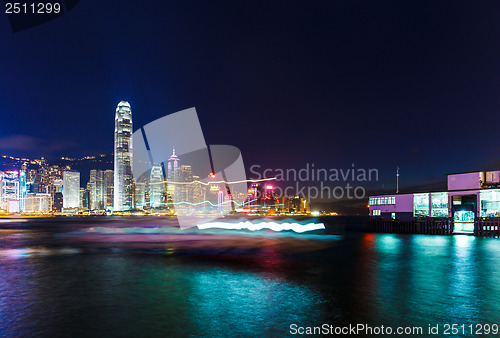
[(297, 227)]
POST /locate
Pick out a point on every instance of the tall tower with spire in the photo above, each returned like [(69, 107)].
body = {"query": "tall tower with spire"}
[(123, 179), (172, 166)]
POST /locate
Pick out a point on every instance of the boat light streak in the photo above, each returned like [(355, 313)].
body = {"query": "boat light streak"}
[(297, 227)]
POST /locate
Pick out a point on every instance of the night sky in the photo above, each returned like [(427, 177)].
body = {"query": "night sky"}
[(376, 83)]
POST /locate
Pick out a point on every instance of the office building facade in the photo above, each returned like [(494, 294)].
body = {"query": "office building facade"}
[(123, 178)]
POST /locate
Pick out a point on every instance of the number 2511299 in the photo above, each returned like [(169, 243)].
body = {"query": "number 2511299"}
[(32, 8)]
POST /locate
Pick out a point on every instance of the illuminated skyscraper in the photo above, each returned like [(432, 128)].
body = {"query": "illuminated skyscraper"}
[(37, 203), (109, 182), (172, 173), (97, 190), (172, 167), (9, 191), (58, 184), (140, 195), (185, 191), (42, 175), (23, 192), (185, 173), (156, 186), (58, 202), (123, 179), (71, 189), (101, 189), (199, 190), (85, 197)]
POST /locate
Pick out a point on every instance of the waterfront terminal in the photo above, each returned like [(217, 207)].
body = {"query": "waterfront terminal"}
[(470, 205)]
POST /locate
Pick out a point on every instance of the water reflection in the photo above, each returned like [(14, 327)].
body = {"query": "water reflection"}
[(417, 279), (244, 303), (47, 288)]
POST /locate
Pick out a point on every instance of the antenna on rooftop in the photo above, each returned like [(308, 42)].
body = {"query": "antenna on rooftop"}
[(397, 180)]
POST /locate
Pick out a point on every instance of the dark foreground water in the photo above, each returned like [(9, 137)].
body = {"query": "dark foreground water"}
[(61, 278)]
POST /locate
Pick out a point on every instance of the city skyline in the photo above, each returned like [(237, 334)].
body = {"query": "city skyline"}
[(170, 187), (397, 82)]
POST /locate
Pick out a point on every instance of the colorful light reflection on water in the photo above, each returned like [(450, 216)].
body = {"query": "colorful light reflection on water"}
[(52, 285)]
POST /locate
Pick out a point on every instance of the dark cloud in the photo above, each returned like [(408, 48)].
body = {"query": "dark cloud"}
[(33, 145), (18, 142)]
